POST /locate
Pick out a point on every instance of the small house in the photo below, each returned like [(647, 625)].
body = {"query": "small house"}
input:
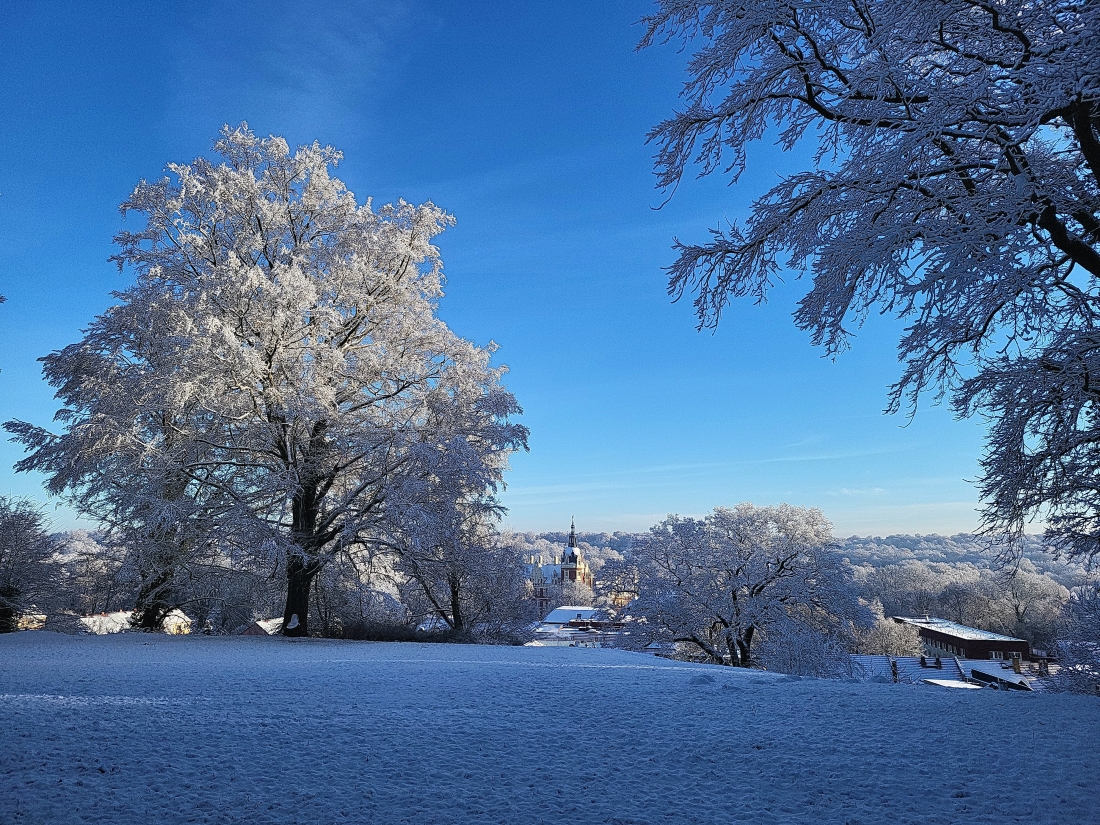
[(941, 637), (264, 627), (576, 626)]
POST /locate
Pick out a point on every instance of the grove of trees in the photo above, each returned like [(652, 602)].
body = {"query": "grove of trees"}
[(750, 586), (1022, 603)]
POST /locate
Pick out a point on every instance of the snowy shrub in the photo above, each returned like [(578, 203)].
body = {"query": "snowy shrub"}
[(789, 646)]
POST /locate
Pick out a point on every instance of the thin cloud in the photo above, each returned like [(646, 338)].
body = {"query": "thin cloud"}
[(350, 50)]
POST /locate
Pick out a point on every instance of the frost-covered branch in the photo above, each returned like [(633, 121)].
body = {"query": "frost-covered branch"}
[(955, 183)]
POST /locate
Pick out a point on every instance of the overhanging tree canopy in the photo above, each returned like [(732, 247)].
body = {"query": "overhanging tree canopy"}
[(955, 183)]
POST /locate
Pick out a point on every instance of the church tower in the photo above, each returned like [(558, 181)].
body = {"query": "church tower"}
[(571, 551), (573, 566)]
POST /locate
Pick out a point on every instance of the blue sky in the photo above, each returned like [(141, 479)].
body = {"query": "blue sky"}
[(526, 121)]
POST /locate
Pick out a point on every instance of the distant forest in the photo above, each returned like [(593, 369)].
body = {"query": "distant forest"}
[(962, 577), (879, 551)]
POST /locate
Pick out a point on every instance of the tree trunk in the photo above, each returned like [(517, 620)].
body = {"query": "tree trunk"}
[(152, 605), (9, 620), (302, 566), (744, 644), (299, 579), (735, 651), (456, 605), (739, 650)]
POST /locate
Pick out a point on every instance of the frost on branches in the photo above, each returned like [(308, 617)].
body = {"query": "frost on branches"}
[(1079, 645), (276, 380), (740, 575), (28, 565), (452, 568), (955, 183)]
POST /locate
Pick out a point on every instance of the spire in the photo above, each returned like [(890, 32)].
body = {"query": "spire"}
[(572, 532)]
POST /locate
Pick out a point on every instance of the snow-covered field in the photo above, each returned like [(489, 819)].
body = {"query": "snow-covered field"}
[(154, 729)]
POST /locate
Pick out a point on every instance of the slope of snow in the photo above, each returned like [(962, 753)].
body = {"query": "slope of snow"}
[(141, 728)]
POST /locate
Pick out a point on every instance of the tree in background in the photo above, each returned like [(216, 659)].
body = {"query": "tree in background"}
[(276, 379), (1036, 602), (907, 589), (453, 569), (94, 577), (28, 562), (1022, 603), (955, 182), (1078, 646), (717, 584), (577, 593), (887, 637)]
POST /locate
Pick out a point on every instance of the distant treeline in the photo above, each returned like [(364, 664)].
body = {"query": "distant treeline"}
[(961, 577)]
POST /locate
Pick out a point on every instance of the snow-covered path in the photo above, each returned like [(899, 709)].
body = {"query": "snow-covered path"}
[(154, 729)]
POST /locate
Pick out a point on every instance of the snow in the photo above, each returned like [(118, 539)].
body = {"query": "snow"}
[(959, 631), (175, 622), (134, 728), (271, 626), (572, 613), (116, 622)]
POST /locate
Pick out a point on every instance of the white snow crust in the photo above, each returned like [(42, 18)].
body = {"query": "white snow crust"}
[(138, 728)]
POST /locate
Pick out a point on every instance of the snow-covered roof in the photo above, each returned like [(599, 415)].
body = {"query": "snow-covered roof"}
[(952, 672), (952, 683), (552, 638), (908, 669), (959, 631), (271, 626), (555, 636), (996, 670), (572, 613), (869, 666)]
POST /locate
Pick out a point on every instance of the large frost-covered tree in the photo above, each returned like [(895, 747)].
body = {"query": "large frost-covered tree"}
[(276, 379), (717, 583), (953, 180)]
